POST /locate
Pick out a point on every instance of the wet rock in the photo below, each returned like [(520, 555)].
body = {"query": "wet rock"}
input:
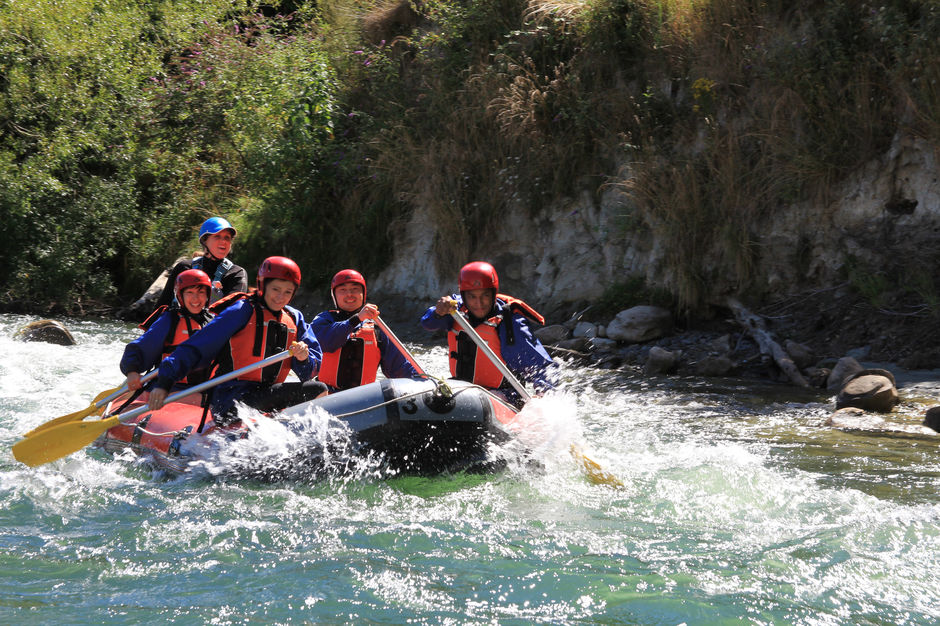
[(713, 366), (640, 323), (817, 376), (49, 331), (552, 334), (869, 390), (843, 369), (801, 354), (600, 344), (634, 354), (660, 361), (601, 330), (585, 329), (581, 344), (932, 418)]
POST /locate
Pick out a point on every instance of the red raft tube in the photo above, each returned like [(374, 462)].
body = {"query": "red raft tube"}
[(414, 426)]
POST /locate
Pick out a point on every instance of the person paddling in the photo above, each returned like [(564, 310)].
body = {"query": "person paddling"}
[(215, 236), (503, 322), (353, 346), (169, 326), (249, 327)]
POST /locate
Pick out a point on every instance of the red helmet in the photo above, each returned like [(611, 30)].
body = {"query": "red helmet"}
[(478, 275), (347, 276), (279, 267), (191, 278)]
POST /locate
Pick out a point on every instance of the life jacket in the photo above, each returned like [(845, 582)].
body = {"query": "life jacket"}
[(356, 362), (221, 270), (178, 333), (265, 334), (467, 361)]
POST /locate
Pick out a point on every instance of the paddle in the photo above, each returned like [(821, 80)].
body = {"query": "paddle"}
[(398, 344), (64, 439), (596, 474), (100, 401), (495, 360)]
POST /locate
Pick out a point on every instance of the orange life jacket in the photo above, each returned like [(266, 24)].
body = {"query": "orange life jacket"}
[(356, 362), (178, 333), (467, 361), (264, 335)]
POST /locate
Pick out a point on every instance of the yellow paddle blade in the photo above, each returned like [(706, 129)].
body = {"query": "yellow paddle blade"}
[(77, 416), (595, 473), (59, 441)]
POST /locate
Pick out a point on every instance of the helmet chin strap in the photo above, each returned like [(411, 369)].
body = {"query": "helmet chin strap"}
[(206, 252)]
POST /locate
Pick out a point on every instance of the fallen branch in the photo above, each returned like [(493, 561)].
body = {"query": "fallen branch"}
[(756, 328)]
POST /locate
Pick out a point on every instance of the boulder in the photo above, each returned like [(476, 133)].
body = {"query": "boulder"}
[(581, 344), (660, 361), (714, 366), (844, 368), (932, 418), (600, 344), (640, 323), (801, 354), (552, 334), (49, 331), (817, 376), (870, 391), (585, 329)]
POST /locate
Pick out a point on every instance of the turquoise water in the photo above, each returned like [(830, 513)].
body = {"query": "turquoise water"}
[(738, 507)]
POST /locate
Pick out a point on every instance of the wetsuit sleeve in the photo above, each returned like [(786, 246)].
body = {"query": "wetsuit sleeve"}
[(167, 296), (143, 353), (527, 358), (331, 334), (432, 321), (394, 363), (200, 350), (306, 370), (235, 280)]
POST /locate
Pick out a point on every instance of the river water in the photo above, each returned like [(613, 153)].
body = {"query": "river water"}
[(738, 505)]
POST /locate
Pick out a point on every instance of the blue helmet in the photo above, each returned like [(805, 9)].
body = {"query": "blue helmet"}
[(215, 225)]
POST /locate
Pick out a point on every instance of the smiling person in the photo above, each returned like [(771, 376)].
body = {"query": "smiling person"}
[(215, 236), (500, 320), (353, 346), (169, 326), (249, 327)]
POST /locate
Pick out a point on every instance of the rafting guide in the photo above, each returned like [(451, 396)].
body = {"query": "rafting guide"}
[(215, 237)]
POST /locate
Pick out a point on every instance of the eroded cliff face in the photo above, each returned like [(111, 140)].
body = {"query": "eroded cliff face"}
[(574, 249)]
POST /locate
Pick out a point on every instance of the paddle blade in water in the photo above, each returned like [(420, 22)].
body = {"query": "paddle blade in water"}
[(59, 441), (592, 469), (77, 416)]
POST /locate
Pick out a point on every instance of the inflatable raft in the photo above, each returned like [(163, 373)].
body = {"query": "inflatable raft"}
[(409, 426)]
